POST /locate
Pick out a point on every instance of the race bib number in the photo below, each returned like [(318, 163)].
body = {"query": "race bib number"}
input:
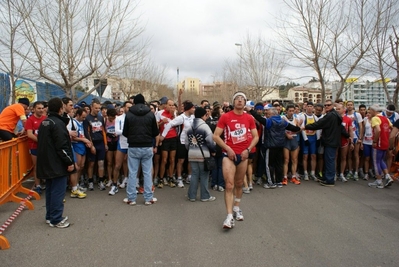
[(96, 126), (111, 130), (239, 135)]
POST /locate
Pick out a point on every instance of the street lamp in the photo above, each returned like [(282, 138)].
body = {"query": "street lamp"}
[(240, 45)]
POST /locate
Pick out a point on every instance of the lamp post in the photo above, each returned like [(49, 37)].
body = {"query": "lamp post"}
[(240, 45)]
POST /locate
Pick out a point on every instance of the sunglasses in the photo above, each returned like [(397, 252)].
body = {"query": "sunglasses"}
[(327, 105)]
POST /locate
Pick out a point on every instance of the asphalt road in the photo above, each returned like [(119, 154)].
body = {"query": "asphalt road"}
[(306, 225)]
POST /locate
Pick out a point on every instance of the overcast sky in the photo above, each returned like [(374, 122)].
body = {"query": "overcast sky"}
[(198, 36)]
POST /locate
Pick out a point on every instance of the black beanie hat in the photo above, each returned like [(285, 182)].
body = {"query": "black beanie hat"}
[(199, 112), (24, 101), (139, 99), (188, 106)]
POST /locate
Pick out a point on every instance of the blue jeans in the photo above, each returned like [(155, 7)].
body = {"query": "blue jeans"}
[(135, 156), (217, 174), (55, 193), (329, 163), (198, 175)]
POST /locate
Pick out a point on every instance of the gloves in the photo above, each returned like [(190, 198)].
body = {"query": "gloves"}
[(307, 143)]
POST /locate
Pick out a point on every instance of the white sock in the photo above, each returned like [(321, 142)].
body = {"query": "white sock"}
[(74, 188), (312, 172)]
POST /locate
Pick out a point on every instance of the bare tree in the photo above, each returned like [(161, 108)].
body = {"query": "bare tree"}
[(303, 34), (10, 41), (259, 68), (381, 51), (351, 37), (73, 40), (394, 41)]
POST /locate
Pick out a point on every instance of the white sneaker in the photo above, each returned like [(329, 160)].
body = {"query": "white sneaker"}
[(342, 178), (228, 223), (109, 183), (246, 190), (188, 180), (238, 215), (388, 180), (124, 183), (306, 177), (377, 183), (180, 183), (91, 186), (101, 186), (113, 191), (218, 188)]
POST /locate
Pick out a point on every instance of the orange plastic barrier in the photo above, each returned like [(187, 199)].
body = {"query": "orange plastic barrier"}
[(15, 166)]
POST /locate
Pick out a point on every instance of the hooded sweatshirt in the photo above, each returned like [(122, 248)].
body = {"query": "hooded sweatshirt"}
[(199, 135), (140, 127)]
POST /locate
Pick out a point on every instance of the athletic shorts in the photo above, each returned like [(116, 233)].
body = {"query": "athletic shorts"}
[(33, 152), (367, 150), (169, 144), (312, 148), (123, 150), (291, 144), (79, 148), (182, 152), (100, 152), (112, 146), (236, 162)]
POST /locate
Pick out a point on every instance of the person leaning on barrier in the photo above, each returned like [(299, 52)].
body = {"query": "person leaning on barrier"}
[(10, 116), (55, 161)]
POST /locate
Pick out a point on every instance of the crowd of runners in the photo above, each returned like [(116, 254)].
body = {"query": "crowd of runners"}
[(141, 146)]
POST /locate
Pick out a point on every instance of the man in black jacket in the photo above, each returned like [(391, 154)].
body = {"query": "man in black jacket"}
[(55, 161), (331, 124), (141, 131)]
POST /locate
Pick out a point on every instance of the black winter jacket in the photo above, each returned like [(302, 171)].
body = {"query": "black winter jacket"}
[(54, 151), (140, 126)]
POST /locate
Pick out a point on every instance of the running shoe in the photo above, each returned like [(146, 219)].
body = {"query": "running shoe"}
[(60, 225), (355, 176), (314, 178), (150, 202), (156, 181), (141, 190), (228, 223), (209, 199), (279, 185), (129, 202), (91, 186), (294, 180), (342, 178), (218, 188), (77, 194), (306, 177), (238, 215), (259, 181), (109, 183), (124, 183), (388, 180), (63, 220), (285, 181), (377, 183), (246, 190), (180, 183), (101, 186), (250, 186), (38, 189), (269, 186), (171, 184), (113, 191)]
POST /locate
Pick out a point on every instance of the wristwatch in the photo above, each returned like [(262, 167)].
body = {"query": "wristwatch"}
[(249, 150)]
